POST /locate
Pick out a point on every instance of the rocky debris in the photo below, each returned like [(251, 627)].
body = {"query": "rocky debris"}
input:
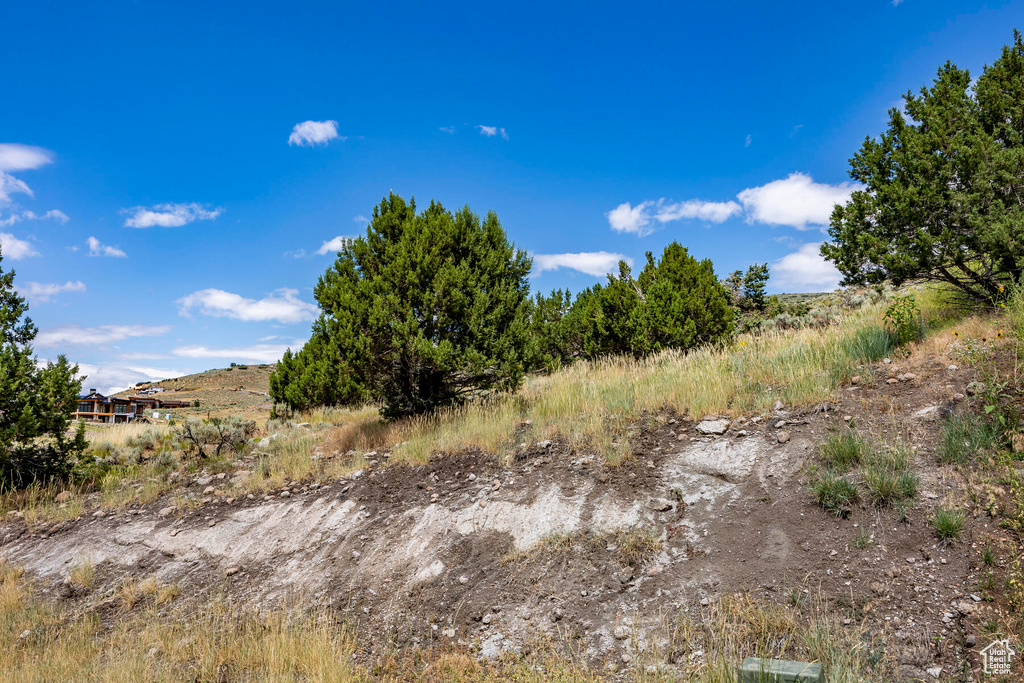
[(782, 436), (906, 377), (975, 388), (778, 405), (856, 379), (716, 427), (167, 511), (232, 570), (63, 496), (927, 413)]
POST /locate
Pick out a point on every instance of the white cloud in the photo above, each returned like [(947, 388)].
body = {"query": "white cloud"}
[(796, 201), (12, 247), (256, 353), (110, 379), (447, 129), (805, 270), (76, 335), (283, 305), (297, 253), (312, 133), (640, 219), (491, 131), (596, 263), (38, 292), (144, 355), (53, 214), (169, 215), (15, 157), (749, 139), (333, 245), (361, 219), (97, 248), (896, 3)]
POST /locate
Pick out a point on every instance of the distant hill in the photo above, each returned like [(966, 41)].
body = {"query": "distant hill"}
[(240, 390)]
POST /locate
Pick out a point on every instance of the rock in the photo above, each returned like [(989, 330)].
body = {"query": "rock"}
[(232, 570), (887, 361), (780, 424), (486, 619), (935, 672), (621, 632), (304, 425), (782, 436), (965, 608), (713, 426), (856, 379), (705, 602), (975, 388), (212, 523), (208, 490), (958, 396), (778, 405), (557, 614), (660, 504), (286, 494), (953, 368), (204, 481), (63, 496), (544, 444), (892, 380), (927, 413), (907, 377), (463, 580), (167, 511), (971, 640), (99, 514)]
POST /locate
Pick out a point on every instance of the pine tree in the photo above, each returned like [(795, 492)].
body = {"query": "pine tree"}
[(36, 403), (426, 310)]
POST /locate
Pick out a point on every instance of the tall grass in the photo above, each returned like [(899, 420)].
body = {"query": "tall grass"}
[(591, 404)]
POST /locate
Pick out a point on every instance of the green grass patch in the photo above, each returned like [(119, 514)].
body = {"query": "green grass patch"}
[(888, 478), (964, 437), (834, 493), (844, 450), (949, 524)]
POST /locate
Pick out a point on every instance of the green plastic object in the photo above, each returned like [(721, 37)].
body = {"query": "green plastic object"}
[(757, 670)]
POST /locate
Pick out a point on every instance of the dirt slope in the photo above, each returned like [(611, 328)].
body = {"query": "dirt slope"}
[(557, 543)]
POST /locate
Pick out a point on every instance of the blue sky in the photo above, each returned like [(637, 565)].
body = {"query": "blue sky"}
[(172, 173)]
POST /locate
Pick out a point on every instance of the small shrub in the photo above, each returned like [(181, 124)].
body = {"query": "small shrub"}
[(963, 438), (834, 493), (637, 545), (197, 437), (903, 320), (863, 540), (843, 450), (949, 524)]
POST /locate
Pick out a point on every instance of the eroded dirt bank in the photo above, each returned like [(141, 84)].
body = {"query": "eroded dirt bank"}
[(557, 543)]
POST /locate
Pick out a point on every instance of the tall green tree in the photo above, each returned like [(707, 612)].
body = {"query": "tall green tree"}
[(36, 402), (425, 310), (676, 302), (755, 283), (943, 195)]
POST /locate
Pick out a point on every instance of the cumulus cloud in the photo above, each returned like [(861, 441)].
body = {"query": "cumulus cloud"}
[(641, 219), (491, 131), (38, 292), (335, 244), (805, 270), (76, 335), (283, 305), (796, 201), (256, 353), (53, 214), (169, 215), (110, 379), (596, 263), (15, 157), (13, 248), (312, 133), (97, 248)]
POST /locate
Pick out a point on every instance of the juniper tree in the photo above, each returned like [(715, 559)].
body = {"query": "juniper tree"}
[(943, 195), (425, 310), (36, 401)]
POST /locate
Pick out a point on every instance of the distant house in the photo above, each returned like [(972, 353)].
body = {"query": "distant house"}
[(96, 407)]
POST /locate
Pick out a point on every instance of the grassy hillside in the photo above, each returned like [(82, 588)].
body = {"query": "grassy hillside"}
[(241, 390)]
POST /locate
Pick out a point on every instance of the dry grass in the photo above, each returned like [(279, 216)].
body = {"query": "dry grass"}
[(220, 641), (592, 404)]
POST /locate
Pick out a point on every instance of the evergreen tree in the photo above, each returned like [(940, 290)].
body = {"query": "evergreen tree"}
[(755, 282), (424, 311), (944, 187), (36, 403)]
